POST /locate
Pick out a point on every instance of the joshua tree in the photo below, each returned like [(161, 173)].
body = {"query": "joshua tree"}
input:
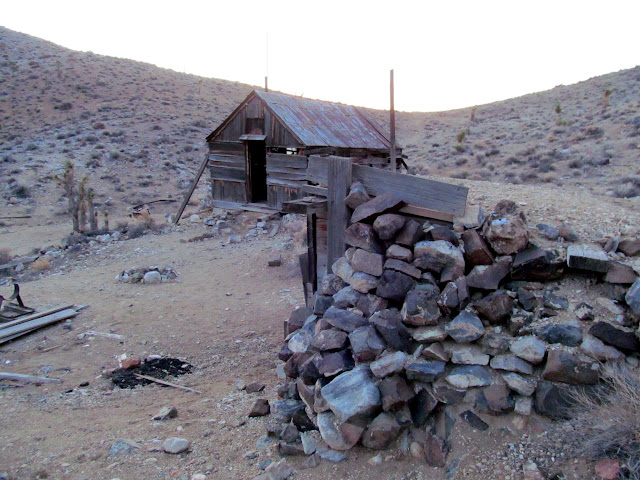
[(605, 98), (75, 192)]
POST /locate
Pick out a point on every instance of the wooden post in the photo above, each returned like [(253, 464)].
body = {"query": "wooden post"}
[(311, 248), (392, 126), (203, 165), (339, 180)]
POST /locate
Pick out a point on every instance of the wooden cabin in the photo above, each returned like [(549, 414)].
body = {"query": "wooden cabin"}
[(260, 153)]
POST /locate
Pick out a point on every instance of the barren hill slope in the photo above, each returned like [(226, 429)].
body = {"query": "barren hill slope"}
[(138, 130)]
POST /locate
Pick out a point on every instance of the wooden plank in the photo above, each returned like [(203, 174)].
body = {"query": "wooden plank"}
[(15, 263), (29, 326), (298, 177), (304, 273), (339, 175), (312, 250), (168, 384), (286, 169), (314, 190), (33, 316), (19, 377), (282, 160), (228, 174), (285, 183), (417, 191), (226, 147), (426, 213), (194, 183), (227, 160)]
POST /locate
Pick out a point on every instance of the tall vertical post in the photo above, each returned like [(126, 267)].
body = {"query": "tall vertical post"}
[(266, 84), (339, 182), (392, 126)]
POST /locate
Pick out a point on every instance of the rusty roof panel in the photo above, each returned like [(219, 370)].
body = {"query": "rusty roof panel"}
[(324, 124)]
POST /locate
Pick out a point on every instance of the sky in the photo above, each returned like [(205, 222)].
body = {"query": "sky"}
[(445, 54)]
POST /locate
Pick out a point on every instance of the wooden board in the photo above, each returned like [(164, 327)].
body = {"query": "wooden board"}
[(236, 161), (33, 316), (339, 175), (278, 194), (226, 147), (416, 191), (228, 191), (10, 333), (290, 161), (227, 173)]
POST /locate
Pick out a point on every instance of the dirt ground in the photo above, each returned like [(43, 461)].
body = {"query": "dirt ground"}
[(223, 314)]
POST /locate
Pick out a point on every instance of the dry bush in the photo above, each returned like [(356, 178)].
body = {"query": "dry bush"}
[(5, 256), (606, 421)]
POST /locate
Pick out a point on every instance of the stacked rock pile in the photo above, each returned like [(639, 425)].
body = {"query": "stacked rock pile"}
[(419, 325), (148, 275)]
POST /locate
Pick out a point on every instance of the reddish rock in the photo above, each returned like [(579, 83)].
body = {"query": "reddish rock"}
[(362, 236), (435, 451), (476, 250), (367, 262), (488, 277), (400, 266), (385, 203), (398, 252), (410, 234), (395, 393), (381, 432), (608, 468), (495, 307), (629, 246), (537, 264), (620, 273), (357, 195), (387, 225), (506, 234), (260, 408), (439, 232), (567, 367), (394, 285)]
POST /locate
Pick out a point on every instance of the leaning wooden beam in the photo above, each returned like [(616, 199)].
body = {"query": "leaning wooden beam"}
[(33, 316), (187, 197), (20, 261), (339, 180), (19, 377), (10, 333), (168, 384)]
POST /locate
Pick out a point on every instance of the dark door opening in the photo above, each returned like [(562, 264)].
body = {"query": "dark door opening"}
[(256, 171)]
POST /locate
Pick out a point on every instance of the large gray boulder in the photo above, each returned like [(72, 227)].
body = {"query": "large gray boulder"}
[(353, 393)]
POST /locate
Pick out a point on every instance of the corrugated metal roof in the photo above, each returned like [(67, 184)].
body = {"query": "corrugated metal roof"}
[(324, 124)]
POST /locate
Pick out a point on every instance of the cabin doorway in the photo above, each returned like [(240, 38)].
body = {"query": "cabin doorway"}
[(256, 171)]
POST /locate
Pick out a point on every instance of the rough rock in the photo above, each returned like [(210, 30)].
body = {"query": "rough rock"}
[(567, 367), (388, 364), (342, 269), (394, 285), (584, 257), (151, 277), (619, 273), (435, 451), (254, 387), (476, 250), (352, 393), (176, 445), (260, 408), (344, 320), (367, 262), (165, 413), (495, 307), (507, 234), (495, 400), (557, 302), (436, 352), (410, 234), (332, 284), (440, 232), (445, 393), (495, 343), (553, 400), (629, 246), (568, 233), (547, 231), (363, 282), (436, 255), (366, 344), (530, 349), (469, 376), (537, 264), (321, 303), (531, 472), (428, 334), (524, 405), (519, 384), (608, 468), (398, 252), (290, 449), (275, 259), (300, 340), (511, 363), (473, 420), (565, 334), (329, 428), (395, 393), (622, 339), (346, 297), (330, 339), (424, 371), (633, 297), (381, 432), (370, 304), (596, 349), (362, 236), (466, 327), (385, 203), (421, 307), (468, 355), (387, 225), (357, 195), (335, 363), (389, 325), (488, 277), (404, 267)]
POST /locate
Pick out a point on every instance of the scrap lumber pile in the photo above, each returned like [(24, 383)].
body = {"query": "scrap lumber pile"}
[(25, 324), (421, 325)]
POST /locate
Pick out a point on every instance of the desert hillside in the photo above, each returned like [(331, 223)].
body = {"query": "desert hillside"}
[(137, 131)]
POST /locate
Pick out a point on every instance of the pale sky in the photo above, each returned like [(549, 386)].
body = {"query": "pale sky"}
[(446, 54)]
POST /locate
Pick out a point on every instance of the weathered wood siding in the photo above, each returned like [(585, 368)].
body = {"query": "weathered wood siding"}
[(286, 174), (228, 175)]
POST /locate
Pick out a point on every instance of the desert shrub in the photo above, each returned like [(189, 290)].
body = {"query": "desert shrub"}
[(512, 161), (593, 131), (629, 187), (575, 163), (461, 136), (493, 151), (199, 124), (461, 161), (463, 174), (21, 191), (99, 126), (64, 106), (529, 177), (459, 148), (5, 256), (605, 421), (31, 147)]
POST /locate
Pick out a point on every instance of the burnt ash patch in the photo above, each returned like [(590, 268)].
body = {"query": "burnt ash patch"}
[(161, 368)]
